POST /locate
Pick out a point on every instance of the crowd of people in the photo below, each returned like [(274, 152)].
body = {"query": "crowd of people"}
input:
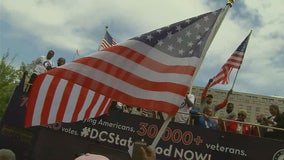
[(203, 115)]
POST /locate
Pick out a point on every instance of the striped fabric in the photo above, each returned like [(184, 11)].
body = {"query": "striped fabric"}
[(151, 71)]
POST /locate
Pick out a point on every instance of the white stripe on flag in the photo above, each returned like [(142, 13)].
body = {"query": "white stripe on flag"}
[(124, 86), (72, 101), (40, 100), (55, 105), (88, 100)]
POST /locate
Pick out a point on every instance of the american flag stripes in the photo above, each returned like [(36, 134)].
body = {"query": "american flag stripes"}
[(107, 41), (151, 71), (63, 101), (234, 61)]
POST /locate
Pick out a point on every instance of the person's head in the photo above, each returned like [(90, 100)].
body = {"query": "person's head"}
[(242, 115), (7, 154), (209, 99), (274, 109), (230, 108), (208, 111), (60, 61), (91, 156), (50, 54), (260, 118)]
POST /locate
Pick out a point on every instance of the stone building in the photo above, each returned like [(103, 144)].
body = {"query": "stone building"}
[(254, 104)]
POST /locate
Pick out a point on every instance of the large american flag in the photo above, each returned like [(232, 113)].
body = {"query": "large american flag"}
[(234, 61), (108, 41), (151, 71)]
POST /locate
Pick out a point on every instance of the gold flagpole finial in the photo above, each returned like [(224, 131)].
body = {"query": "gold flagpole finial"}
[(230, 2)]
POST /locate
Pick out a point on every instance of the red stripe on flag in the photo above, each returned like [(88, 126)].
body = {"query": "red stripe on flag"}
[(107, 90), (150, 63), (80, 103), (48, 101), (101, 108), (92, 104), (123, 75), (64, 102), (31, 104), (104, 44)]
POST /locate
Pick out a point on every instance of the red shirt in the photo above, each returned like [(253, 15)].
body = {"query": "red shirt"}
[(233, 127)]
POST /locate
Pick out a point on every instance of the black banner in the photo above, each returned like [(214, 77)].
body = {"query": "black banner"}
[(119, 130)]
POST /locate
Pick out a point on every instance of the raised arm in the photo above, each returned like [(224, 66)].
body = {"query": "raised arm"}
[(224, 103), (205, 90)]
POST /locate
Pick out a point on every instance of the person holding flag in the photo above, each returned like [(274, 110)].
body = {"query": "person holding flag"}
[(207, 99), (222, 77)]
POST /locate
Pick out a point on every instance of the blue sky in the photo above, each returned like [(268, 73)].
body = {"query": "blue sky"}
[(28, 29)]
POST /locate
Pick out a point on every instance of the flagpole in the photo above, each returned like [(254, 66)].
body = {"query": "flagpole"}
[(99, 47), (240, 64), (74, 55), (161, 131), (215, 28)]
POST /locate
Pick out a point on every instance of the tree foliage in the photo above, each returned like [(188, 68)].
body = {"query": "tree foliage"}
[(9, 78)]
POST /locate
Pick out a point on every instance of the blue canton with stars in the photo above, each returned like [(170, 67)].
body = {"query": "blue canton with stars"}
[(186, 38), (243, 46)]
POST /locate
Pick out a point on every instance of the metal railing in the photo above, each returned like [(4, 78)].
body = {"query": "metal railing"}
[(227, 120)]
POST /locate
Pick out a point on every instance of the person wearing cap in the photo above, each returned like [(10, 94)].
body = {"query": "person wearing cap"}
[(207, 99), (182, 115), (240, 128)]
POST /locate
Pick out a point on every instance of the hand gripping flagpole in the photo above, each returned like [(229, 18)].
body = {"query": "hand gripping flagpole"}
[(210, 39), (240, 65)]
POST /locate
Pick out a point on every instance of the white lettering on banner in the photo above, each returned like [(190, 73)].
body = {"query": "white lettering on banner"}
[(92, 121), (182, 153), (70, 131), (105, 136), (219, 148)]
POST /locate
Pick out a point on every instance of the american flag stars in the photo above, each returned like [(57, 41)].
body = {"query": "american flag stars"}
[(181, 39)]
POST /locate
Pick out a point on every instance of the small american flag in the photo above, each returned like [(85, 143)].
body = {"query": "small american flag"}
[(151, 71), (234, 61), (107, 41)]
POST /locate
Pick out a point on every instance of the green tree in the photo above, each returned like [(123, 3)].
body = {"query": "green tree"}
[(9, 78)]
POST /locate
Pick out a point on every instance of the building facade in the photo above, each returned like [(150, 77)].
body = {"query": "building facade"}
[(252, 103)]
